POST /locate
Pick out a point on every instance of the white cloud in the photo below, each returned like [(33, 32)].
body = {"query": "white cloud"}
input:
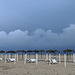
[(39, 39)]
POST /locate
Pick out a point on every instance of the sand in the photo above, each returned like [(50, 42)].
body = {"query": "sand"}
[(32, 69)]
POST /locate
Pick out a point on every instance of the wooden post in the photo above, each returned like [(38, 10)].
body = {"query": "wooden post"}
[(5, 58), (36, 58), (49, 59), (59, 58), (65, 59), (17, 57), (9, 55), (73, 57), (25, 58)]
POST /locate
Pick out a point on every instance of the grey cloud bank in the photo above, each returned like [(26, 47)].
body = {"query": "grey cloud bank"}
[(39, 39), (32, 14)]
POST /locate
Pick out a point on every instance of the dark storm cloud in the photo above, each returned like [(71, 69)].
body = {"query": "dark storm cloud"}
[(40, 39), (32, 14), (31, 24)]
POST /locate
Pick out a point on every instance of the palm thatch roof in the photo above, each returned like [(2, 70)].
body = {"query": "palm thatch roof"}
[(21, 51), (11, 51), (68, 50), (35, 50), (2, 51)]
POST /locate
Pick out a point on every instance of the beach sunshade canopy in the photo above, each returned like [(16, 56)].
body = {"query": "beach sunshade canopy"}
[(2, 51), (29, 51), (21, 51), (11, 51), (49, 50), (53, 51), (35, 50), (41, 52), (68, 51)]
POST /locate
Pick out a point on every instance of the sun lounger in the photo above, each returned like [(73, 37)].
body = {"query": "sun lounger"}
[(54, 57), (48, 60), (54, 61), (0, 59), (74, 61), (27, 59), (32, 60), (11, 59)]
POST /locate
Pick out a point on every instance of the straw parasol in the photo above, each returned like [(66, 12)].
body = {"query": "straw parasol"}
[(68, 51), (54, 51), (41, 52), (11, 51), (29, 51), (35, 51), (2, 51), (49, 50), (21, 51)]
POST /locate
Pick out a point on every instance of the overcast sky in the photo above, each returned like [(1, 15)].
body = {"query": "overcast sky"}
[(37, 24)]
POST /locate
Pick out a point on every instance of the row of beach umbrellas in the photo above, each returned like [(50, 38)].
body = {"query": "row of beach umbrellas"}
[(29, 51)]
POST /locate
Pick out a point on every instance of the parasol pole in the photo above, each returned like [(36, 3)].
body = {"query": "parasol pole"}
[(17, 57), (25, 57), (49, 58), (65, 59), (2, 55), (36, 58), (9, 55), (59, 58), (73, 56), (5, 58), (46, 55)]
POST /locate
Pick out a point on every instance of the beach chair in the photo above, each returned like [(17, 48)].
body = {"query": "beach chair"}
[(11, 59), (74, 61), (28, 60), (48, 60), (1, 59), (32, 60), (54, 61)]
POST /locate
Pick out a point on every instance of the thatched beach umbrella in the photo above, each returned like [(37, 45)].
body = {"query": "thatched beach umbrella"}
[(29, 51), (41, 52), (2, 51), (54, 51), (49, 50), (48, 55), (11, 51), (21, 51), (36, 55), (35, 51), (68, 51)]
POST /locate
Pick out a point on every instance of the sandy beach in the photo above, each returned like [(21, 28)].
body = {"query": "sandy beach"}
[(32, 69)]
